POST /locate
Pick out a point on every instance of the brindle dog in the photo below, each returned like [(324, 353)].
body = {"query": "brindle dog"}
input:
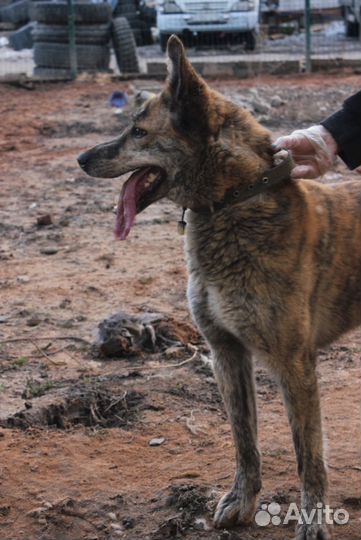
[(275, 276)]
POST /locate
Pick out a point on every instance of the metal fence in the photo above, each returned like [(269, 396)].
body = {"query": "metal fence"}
[(307, 34)]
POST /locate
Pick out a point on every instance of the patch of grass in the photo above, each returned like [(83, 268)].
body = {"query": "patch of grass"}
[(20, 362), (36, 389)]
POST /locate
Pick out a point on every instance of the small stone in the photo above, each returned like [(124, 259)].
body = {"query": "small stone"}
[(3, 319), (33, 321), (42, 520), (277, 102), (115, 526), (260, 107), (23, 279), (48, 504), (65, 303), (43, 221), (128, 523), (156, 441), (5, 510), (112, 516), (36, 512), (49, 250)]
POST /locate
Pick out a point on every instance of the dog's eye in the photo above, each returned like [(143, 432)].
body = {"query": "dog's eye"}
[(138, 133)]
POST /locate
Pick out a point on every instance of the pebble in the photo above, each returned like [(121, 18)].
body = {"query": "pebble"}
[(128, 523), (3, 319), (23, 279), (157, 441), (35, 512), (49, 251), (277, 102), (260, 107), (33, 321), (112, 516), (116, 526), (44, 220)]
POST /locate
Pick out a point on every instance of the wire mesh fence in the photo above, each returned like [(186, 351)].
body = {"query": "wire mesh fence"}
[(55, 39)]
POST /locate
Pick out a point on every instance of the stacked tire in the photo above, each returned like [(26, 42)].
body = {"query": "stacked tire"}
[(93, 33), (140, 28)]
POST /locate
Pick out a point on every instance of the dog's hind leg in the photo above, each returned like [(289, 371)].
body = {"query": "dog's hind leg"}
[(234, 373), (300, 389)]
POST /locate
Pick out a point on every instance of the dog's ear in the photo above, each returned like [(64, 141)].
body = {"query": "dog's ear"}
[(188, 93)]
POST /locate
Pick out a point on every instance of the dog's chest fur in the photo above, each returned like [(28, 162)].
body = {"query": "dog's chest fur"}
[(233, 281)]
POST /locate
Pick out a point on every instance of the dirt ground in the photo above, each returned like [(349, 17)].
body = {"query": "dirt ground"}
[(76, 460)]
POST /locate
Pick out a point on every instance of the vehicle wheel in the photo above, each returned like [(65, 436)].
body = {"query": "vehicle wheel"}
[(124, 46), (56, 55), (163, 40), (57, 13), (148, 14), (125, 8), (142, 33), (352, 29), (94, 34), (22, 38), (132, 19), (16, 13), (250, 40)]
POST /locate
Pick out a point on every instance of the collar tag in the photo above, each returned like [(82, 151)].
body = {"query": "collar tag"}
[(182, 224), (181, 227)]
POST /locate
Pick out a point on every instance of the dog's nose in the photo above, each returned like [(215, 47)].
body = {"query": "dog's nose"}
[(83, 159)]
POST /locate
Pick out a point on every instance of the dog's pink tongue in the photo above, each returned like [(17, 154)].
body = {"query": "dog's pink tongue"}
[(127, 205)]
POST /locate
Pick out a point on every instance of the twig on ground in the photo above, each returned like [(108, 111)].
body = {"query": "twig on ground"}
[(43, 353), (46, 338)]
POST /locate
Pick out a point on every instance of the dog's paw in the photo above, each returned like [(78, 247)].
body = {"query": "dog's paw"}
[(233, 509), (312, 531)]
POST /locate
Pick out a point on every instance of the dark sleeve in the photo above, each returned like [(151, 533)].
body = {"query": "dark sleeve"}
[(345, 128)]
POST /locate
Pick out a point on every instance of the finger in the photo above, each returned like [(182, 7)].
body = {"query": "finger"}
[(282, 142), (286, 143), (304, 171)]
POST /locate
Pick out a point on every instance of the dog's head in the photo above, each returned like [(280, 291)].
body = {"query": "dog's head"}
[(187, 143)]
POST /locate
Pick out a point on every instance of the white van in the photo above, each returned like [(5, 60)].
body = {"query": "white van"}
[(194, 17)]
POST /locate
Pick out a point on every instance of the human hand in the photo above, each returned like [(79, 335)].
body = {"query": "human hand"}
[(313, 151)]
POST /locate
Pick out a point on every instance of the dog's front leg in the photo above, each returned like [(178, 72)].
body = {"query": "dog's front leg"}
[(234, 373), (233, 369), (300, 389)]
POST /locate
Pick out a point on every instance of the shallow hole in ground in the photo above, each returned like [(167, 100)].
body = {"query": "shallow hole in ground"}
[(92, 404)]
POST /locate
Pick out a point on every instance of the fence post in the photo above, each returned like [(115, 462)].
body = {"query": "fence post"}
[(308, 35), (72, 45)]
